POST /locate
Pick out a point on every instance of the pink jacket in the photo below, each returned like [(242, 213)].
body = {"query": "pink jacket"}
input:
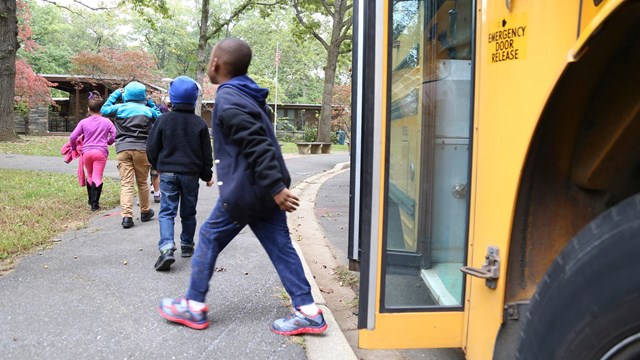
[(71, 154)]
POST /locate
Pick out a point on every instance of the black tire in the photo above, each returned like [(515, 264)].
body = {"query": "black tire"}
[(589, 300)]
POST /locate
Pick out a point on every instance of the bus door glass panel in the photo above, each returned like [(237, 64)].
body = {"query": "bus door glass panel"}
[(427, 200)]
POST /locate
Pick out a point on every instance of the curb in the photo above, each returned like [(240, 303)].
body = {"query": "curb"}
[(332, 344)]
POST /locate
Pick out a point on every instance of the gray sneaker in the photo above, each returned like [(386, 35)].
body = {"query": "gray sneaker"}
[(178, 311), (299, 323)]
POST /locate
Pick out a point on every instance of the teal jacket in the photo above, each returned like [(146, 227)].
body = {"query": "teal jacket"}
[(133, 117)]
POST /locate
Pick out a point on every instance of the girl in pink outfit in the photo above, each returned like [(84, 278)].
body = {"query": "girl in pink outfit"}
[(99, 132)]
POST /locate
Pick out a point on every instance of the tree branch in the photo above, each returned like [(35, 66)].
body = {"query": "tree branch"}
[(237, 12), (307, 27), (55, 3), (346, 25), (267, 4), (344, 37), (327, 7), (61, 6)]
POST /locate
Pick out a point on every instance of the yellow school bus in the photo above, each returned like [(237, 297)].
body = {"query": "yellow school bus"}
[(495, 173)]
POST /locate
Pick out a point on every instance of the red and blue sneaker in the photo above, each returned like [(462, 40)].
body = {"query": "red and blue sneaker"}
[(300, 323), (179, 311)]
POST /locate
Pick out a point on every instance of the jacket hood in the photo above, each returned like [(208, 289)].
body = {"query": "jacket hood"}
[(134, 91), (183, 90), (247, 86)]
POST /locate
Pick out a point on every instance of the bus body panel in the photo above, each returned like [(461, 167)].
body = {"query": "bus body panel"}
[(521, 55)]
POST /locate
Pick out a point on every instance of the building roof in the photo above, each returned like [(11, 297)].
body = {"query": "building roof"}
[(68, 83)]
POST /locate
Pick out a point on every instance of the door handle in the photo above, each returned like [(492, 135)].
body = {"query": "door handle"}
[(490, 270)]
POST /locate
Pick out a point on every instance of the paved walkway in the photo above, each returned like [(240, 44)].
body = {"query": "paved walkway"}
[(94, 294)]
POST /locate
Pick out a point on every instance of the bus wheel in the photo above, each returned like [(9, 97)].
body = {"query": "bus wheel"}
[(588, 304)]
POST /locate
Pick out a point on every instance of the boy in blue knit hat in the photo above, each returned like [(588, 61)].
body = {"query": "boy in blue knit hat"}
[(133, 120), (179, 148)]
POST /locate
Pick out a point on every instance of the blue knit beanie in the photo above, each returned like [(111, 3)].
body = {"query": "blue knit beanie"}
[(183, 90), (134, 91)]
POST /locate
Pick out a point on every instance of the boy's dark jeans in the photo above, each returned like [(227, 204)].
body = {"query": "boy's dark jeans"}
[(177, 189), (272, 232)]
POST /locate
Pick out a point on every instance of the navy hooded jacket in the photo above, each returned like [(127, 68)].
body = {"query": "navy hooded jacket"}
[(249, 164)]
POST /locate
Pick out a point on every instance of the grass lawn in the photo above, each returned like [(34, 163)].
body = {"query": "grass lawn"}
[(50, 146), (36, 206), (291, 148), (41, 145)]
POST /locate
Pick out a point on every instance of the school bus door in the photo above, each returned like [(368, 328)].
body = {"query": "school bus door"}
[(415, 297)]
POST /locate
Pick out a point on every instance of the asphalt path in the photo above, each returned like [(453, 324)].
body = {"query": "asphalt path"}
[(332, 213), (94, 293)]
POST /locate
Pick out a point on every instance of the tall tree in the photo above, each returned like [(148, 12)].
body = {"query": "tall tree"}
[(9, 35), (8, 49), (338, 40), (300, 75), (211, 25), (173, 41)]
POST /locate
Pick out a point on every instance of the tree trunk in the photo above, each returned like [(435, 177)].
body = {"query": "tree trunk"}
[(324, 125), (333, 51), (8, 48), (202, 51)]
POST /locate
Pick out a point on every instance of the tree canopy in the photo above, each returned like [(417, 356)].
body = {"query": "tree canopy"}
[(150, 40)]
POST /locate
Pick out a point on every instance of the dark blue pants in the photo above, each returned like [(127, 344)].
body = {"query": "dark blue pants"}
[(272, 232), (177, 189)]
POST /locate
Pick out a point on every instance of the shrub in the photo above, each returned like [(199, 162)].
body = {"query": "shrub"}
[(310, 133), (334, 137)]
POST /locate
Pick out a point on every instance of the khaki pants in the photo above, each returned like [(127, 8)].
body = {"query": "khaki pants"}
[(130, 163)]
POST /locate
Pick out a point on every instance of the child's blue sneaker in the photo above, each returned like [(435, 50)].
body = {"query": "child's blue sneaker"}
[(300, 323), (178, 311)]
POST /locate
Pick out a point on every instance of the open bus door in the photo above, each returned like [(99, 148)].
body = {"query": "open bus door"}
[(414, 68)]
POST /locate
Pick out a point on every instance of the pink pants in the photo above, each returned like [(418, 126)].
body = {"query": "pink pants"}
[(94, 163)]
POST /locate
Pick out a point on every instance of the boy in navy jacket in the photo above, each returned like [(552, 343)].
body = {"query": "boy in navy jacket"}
[(253, 182), (179, 148)]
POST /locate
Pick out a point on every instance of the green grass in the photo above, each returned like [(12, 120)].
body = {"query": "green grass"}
[(41, 146), (281, 294), (291, 148), (35, 145), (36, 206), (347, 277), (50, 146)]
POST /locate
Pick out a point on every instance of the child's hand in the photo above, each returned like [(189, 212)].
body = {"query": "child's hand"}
[(286, 200), (210, 183)]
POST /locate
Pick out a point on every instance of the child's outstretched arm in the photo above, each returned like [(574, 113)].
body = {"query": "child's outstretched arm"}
[(110, 108), (154, 108)]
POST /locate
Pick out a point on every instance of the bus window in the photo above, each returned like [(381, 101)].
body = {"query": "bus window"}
[(428, 126)]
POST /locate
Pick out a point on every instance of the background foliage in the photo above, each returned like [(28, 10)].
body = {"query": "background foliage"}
[(136, 42)]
